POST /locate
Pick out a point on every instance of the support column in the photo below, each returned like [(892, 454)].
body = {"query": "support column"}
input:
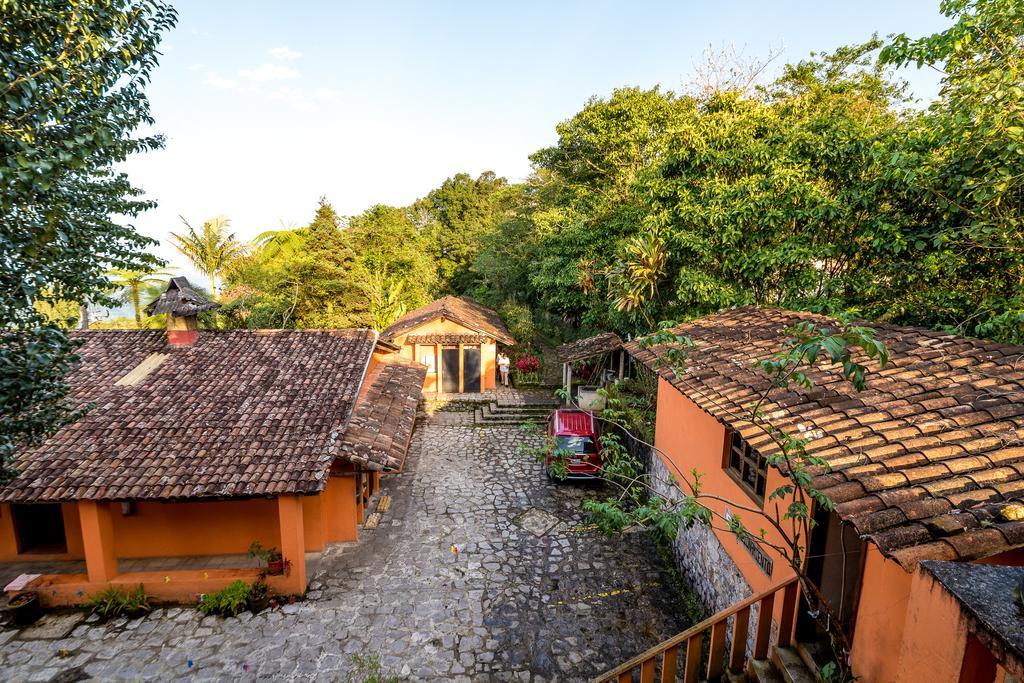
[(622, 364), (98, 540), (462, 375), (437, 368), (293, 542)]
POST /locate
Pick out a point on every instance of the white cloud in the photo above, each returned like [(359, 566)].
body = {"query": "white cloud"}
[(266, 73), (196, 67), (219, 81), (294, 97), (283, 53), (327, 94)]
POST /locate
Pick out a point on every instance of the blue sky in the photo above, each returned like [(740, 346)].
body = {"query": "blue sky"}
[(268, 105)]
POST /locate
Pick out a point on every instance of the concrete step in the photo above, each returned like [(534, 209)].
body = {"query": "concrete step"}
[(481, 416), (791, 666), (815, 656), (497, 410), (763, 671)]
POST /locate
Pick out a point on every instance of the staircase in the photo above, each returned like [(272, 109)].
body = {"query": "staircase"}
[(513, 413), (704, 651)]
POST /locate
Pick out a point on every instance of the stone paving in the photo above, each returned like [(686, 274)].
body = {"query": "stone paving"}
[(529, 592)]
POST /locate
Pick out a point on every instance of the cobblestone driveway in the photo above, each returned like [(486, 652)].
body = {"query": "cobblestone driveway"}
[(532, 594)]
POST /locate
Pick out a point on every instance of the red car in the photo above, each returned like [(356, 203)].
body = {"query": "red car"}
[(575, 431)]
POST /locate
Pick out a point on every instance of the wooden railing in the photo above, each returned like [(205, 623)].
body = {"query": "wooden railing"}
[(691, 641)]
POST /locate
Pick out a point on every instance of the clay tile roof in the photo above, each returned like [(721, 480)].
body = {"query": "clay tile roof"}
[(938, 431), (237, 414), (591, 346), (447, 338), (460, 309), (180, 299), (382, 424)]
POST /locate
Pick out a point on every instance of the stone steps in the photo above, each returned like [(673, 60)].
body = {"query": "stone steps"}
[(785, 665), (509, 413)]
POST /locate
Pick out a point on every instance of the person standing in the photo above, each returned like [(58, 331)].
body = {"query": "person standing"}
[(503, 367)]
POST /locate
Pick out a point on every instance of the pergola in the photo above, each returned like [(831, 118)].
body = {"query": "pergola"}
[(582, 349)]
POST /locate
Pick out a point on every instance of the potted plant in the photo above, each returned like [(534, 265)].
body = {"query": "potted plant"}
[(259, 596), (25, 608), (271, 557)]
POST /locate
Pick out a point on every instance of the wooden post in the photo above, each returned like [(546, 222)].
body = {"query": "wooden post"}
[(716, 654), (98, 540), (462, 372), (437, 368), (568, 382), (293, 542), (738, 655), (763, 630), (622, 364)]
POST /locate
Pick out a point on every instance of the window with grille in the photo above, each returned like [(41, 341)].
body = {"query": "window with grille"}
[(748, 467)]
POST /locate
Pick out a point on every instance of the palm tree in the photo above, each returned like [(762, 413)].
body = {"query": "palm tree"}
[(210, 250), (132, 282)]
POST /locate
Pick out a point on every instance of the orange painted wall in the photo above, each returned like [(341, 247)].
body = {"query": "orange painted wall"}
[(881, 616), (935, 636), (200, 528), (340, 509), (72, 532), (692, 439), (488, 352), (204, 528)]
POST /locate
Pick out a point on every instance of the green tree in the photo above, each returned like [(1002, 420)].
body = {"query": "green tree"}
[(132, 282), (72, 81), (327, 294), (964, 157), (458, 216), (211, 250), (589, 203)]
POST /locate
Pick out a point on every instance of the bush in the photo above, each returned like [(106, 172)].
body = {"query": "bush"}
[(227, 602), (528, 364), (519, 322), (115, 602)]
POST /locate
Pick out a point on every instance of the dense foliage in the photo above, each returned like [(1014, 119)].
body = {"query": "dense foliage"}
[(825, 189), (71, 86)]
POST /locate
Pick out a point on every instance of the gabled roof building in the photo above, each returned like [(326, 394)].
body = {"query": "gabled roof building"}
[(202, 443), (926, 463)]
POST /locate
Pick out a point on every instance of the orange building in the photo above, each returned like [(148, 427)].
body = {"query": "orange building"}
[(199, 443), (925, 464), (456, 338)]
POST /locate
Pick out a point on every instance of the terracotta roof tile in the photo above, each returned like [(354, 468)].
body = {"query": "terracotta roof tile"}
[(382, 424), (462, 310), (941, 427), (586, 348), (236, 414)]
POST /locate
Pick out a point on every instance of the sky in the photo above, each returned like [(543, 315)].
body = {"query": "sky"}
[(266, 106)]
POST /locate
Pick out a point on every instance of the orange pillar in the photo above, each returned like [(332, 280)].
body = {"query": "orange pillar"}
[(293, 540), (98, 540)]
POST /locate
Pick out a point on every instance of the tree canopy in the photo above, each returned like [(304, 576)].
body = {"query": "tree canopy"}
[(72, 80)]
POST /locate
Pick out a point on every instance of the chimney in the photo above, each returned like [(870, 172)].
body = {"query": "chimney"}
[(181, 304)]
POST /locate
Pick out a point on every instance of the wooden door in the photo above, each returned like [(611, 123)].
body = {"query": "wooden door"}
[(471, 369), (450, 369)]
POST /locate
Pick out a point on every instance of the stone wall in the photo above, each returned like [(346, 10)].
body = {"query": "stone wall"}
[(702, 560)]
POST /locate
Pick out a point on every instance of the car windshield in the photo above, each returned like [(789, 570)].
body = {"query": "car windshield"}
[(577, 444)]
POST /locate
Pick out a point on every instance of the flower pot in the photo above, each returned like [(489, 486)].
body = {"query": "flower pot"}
[(275, 566), (589, 399), (25, 608)]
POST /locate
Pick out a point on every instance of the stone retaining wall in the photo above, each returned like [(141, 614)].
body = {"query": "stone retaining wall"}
[(705, 564)]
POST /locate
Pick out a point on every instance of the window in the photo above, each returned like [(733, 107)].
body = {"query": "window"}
[(576, 444), (747, 466)]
